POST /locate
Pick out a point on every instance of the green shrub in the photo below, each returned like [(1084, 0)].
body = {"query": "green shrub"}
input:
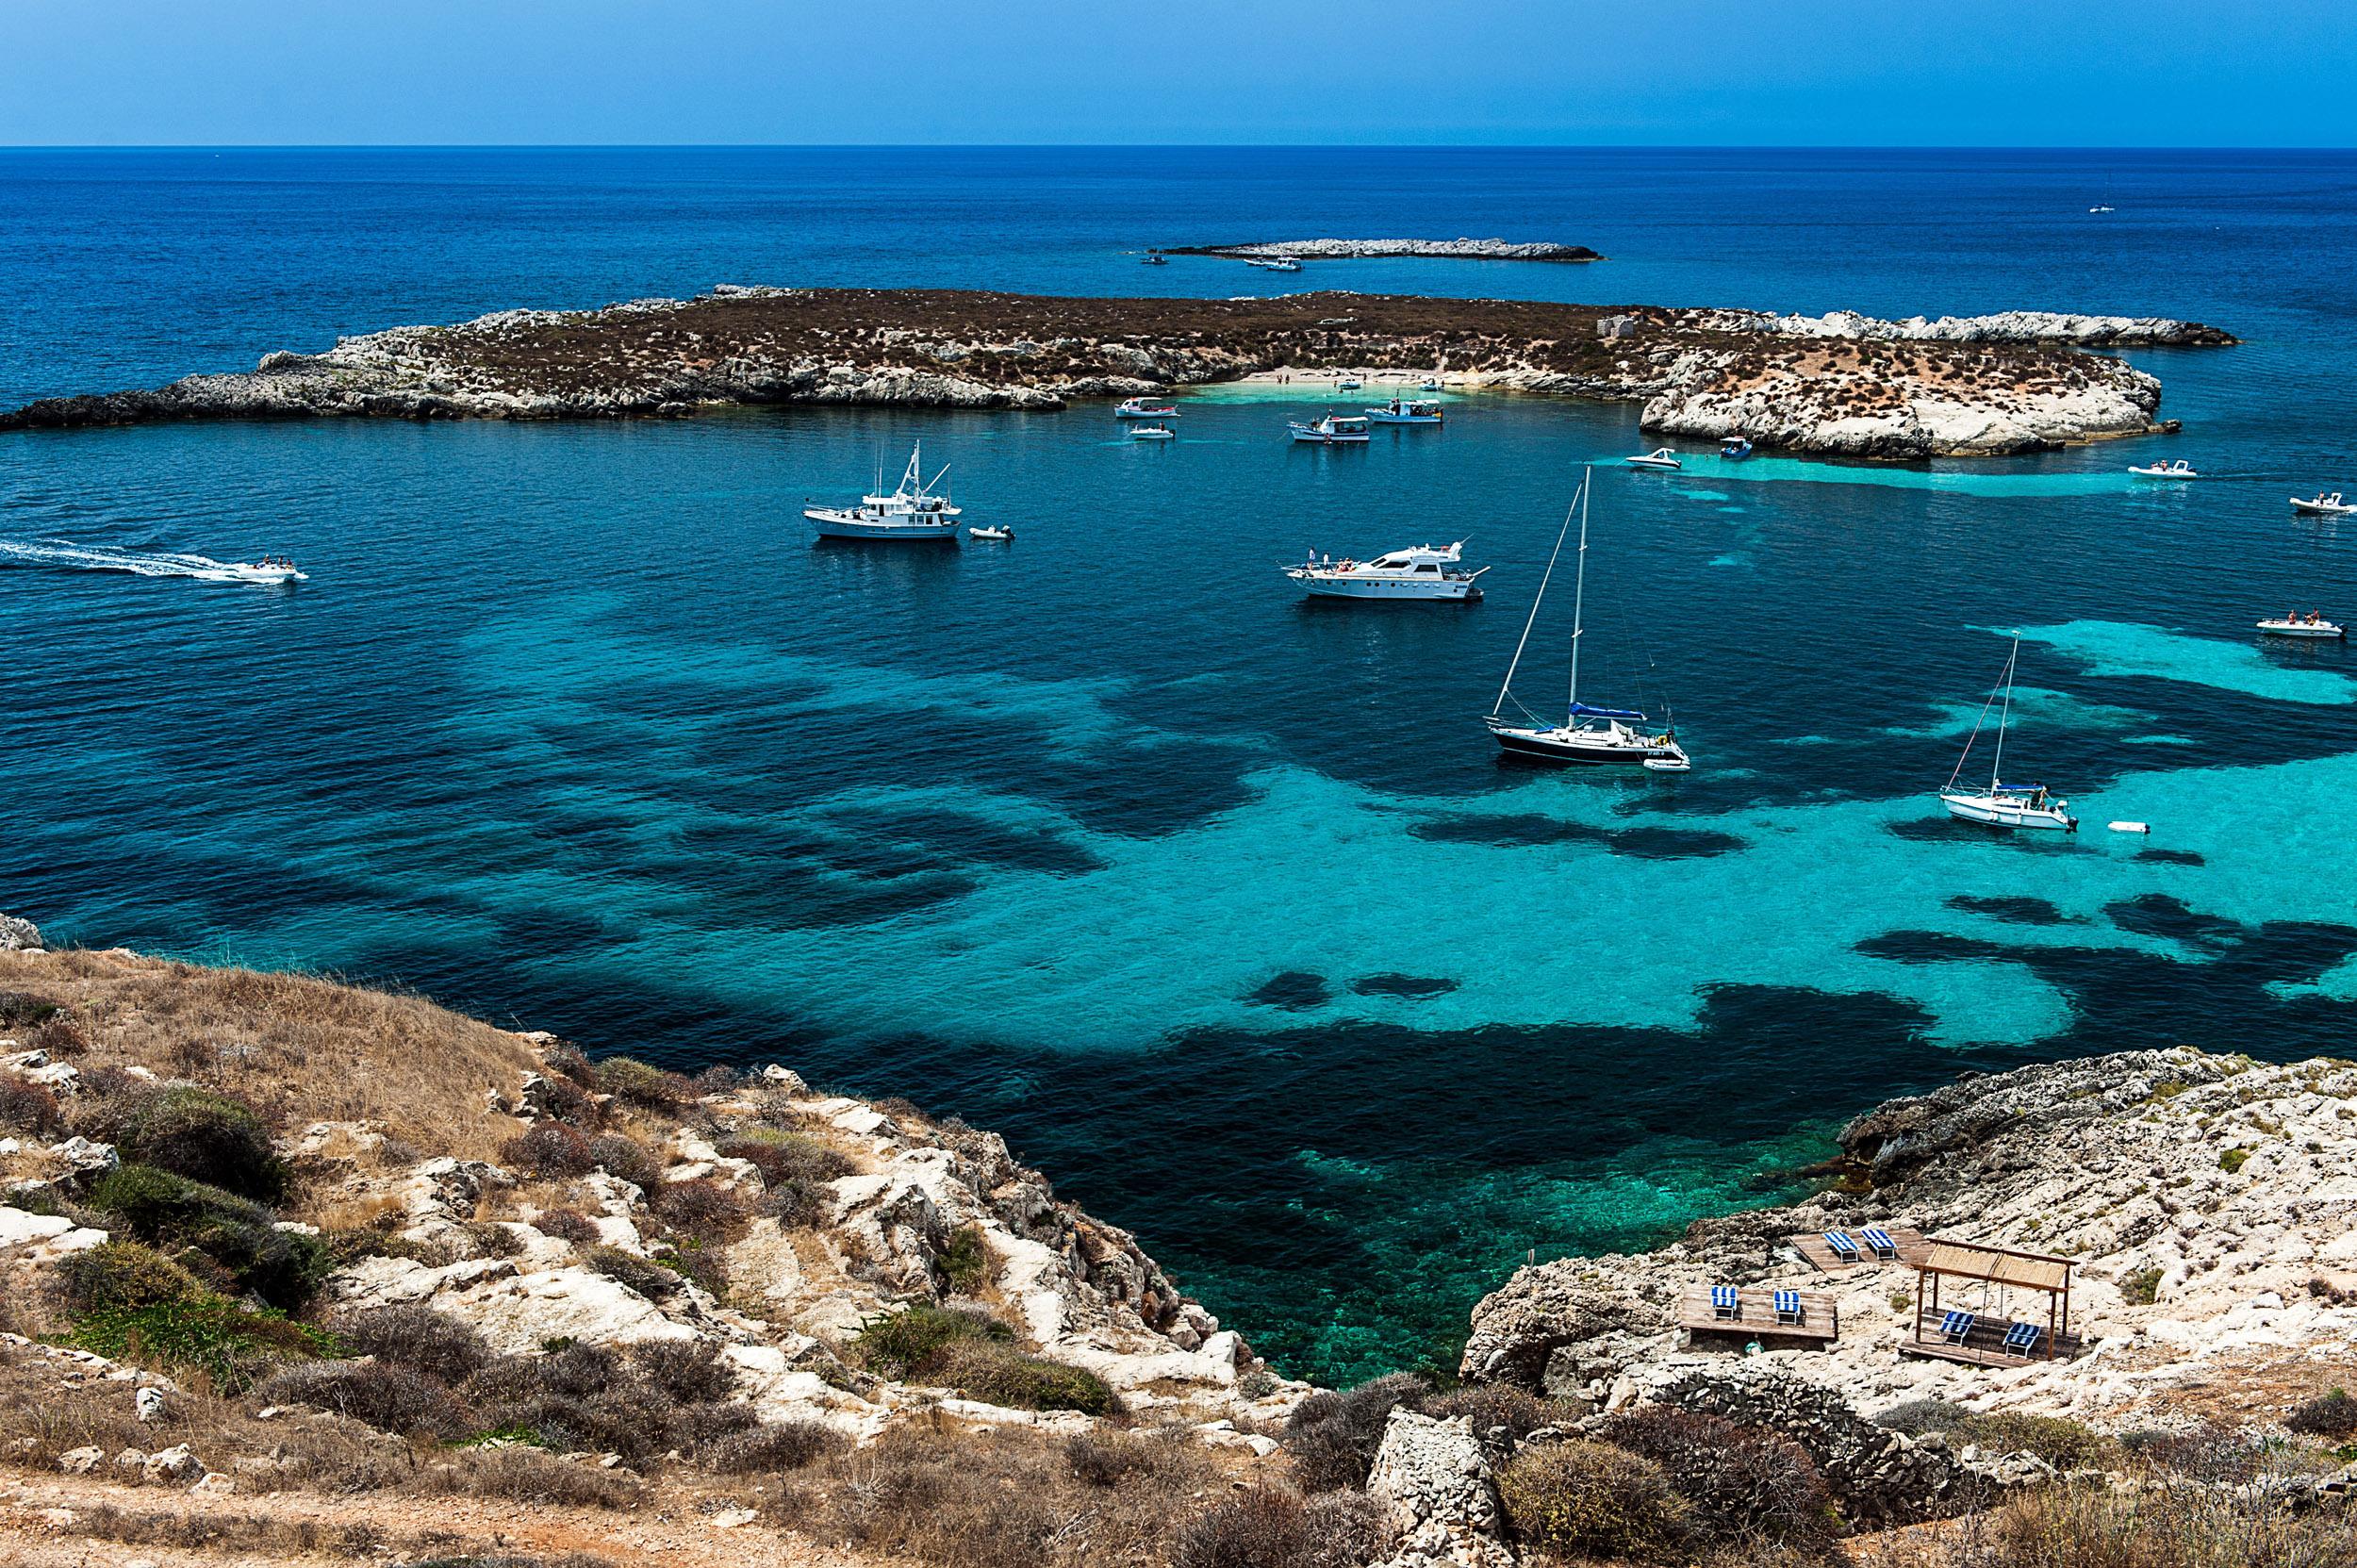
[(636, 1082), (2141, 1288), (206, 1137), (2063, 1444), (115, 1276), (1591, 1500), (895, 1344), (998, 1374), (964, 1260), (283, 1267), (231, 1345), (2233, 1160), (1740, 1483), (643, 1275)]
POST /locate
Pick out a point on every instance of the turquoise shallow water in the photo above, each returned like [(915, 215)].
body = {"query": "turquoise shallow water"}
[(1219, 903)]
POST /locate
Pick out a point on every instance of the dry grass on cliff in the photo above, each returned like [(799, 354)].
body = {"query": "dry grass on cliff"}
[(302, 1050)]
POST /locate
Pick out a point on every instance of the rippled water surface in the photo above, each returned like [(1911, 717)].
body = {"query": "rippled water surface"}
[(1219, 903)]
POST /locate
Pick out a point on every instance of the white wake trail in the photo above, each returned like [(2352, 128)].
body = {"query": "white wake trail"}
[(82, 558)]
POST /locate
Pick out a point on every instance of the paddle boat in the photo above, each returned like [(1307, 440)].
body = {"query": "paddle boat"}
[(1660, 457), (2004, 805), (1145, 408), (1425, 571), (2180, 469), (911, 511), (2292, 624), (2322, 505), (1331, 430), (269, 571), (1735, 449), (1406, 411), (1004, 534), (1152, 433)]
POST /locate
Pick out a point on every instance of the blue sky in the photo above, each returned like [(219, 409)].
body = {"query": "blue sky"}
[(2038, 72)]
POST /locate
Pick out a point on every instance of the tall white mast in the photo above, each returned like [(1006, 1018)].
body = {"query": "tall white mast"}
[(1540, 598), (2003, 714), (1579, 595)]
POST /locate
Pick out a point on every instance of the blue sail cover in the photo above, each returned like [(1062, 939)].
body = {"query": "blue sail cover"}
[(1581, 710)]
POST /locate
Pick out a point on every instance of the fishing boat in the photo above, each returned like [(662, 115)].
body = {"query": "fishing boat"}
[(1003, 535), (1660, 457), (1586, 735), (1735, 449), (913, 511), (2180, 469), (2322, 505), (1405, 411), (2004, 805), (1145, 408), (1425, 572), (2311, 625), (1331, 430), (1152, 433)]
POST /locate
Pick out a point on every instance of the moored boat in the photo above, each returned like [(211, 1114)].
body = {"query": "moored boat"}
[(2323, 506), (2004, 805), (1274, 263), (1660, 457), (1330, 430), (2313, 625), (1735, 449), (1145, 408), (1152, 433), (911, 511), (1405, 411), (1003, 533), (1423, 572), (2178, 469), (1156, 259)]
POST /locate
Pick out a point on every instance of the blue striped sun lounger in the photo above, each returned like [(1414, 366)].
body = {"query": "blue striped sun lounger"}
[(1724, 1300), (2021, 1338), (1879, 1243), (1789, 1307), (1844, 1250), (1956, 1328)]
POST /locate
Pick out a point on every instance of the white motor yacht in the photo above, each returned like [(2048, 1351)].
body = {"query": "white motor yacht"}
[(2178, 468), (2311, 625), (1406, 411), (1586, 735), (1425, 572), (1331, 430), (2322, 505), (1660, 457), (2004, 805), (1145, 408), (911, 511)]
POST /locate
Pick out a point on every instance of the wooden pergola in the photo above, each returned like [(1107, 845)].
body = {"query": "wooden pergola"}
[(2001, 1267)]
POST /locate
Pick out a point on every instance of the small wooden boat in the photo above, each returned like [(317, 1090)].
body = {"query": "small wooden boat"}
[(2321, 505), (1660, 457)]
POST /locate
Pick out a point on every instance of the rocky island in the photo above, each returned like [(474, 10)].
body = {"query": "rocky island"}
[(1351, 250), (1841, 385), (290, 1269)]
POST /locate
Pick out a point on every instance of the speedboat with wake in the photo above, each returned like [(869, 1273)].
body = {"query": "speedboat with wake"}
[(1331, 430), (2004, 805), (1660, 457), (1425, 572), (2311, 625), (914, 510), (2322, 505), (1586, 735), (270, 571), (1406, 411), (2178, 468)]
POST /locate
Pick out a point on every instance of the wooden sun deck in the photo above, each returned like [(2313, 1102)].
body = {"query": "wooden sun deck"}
[(1910, 1240), (1985, 1345), (1756, 1315)]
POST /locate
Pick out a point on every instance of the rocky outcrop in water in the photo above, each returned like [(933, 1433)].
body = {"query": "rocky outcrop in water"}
[(1985, 386), (1449, 250)]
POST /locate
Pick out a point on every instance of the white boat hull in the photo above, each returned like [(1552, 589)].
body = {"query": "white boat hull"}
[(2000, 811), (2321, 629), (2320, 508), (840, 526), (2164, 474), (1317, 437), (1592, 745), (1653, 463), (1376, 416), (1361, 587)]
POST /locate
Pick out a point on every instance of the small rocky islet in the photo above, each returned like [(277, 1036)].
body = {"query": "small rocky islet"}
[(430, 1258), (1841, 385)]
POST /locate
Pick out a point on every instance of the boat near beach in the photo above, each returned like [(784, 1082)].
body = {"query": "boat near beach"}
[(2004, 805), (1145, 408), (2323, 506), (1425, 571), (1331, 430), (2313, 626), (913, 511), (1660, 457), (2178, 468), (1405, 411), (1735, 449), (1586, 735)]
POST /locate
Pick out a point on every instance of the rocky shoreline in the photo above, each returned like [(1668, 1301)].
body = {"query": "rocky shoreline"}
[(1842, 385), (1355, 250)]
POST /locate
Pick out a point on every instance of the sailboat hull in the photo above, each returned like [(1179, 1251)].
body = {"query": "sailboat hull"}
[(1579, 747), (2001, 812)]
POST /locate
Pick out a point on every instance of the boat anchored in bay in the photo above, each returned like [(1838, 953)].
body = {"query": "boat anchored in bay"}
[(1405, 411), (2293, 624), (1331, 430), (1425, 572), (1586, 735), (911, 511), (2323, 506), (2004, 805)]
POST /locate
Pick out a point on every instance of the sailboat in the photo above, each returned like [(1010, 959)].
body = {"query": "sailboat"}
[(2004, 805), (1586, 735)]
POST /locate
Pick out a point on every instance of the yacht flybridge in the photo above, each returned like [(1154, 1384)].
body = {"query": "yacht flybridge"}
[(1426, 571), (2004, 805), (1586, 735), (911, 511)]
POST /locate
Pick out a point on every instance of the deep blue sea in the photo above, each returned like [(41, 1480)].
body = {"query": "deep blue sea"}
[(1218, 903)]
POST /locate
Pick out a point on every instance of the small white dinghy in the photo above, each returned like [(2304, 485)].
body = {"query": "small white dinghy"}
[(2323, 506), (2311, 625), (1660, 457), (1668, 765), (1152, 433), (1001, 535), (2130, 827), (2178, 468)]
